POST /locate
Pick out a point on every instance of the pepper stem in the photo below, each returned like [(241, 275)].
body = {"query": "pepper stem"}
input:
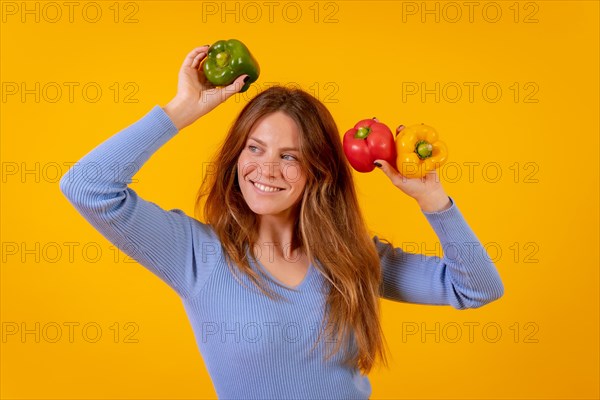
[(362, 132), (222, 59), (423, 149)]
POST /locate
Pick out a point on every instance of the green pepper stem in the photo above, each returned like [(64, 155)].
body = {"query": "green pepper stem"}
[(362, 132), (222, 59), (423, 149)]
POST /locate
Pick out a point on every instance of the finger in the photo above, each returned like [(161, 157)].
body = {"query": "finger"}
[(430, 176), (234, 88), (189, 59), (198, 60), (395, 176), (389, 170)]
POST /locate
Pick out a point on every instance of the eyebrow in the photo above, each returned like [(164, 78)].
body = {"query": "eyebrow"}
[(281, 149)]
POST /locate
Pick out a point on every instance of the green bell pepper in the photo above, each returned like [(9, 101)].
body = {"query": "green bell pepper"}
[(227, 60)]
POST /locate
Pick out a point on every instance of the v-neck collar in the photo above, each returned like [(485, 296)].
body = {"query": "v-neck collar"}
[(265, 272)]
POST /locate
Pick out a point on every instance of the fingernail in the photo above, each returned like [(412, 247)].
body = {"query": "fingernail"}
[(246, 79), (377, 164)]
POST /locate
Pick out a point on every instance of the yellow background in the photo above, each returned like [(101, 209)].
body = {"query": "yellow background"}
[(363, 57)]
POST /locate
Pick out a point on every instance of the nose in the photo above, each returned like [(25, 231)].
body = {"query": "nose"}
[(271, 167)]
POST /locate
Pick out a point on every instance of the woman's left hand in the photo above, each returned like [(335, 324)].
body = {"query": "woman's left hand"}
[(417, 188), (427, 191)]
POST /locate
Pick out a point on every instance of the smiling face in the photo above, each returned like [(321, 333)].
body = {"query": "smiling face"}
[(270, 175)]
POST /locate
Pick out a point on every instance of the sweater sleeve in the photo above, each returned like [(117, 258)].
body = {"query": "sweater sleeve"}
[(178, 249), (464, 277)]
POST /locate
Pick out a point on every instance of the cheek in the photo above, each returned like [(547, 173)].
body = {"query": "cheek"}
[(294, 174), (299, 184), (248, 170), (302, 183)]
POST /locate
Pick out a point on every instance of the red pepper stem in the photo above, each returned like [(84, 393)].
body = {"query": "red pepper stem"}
[(362, 132)]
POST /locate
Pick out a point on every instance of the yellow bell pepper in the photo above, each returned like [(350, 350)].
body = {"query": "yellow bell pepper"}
[(419, 150)]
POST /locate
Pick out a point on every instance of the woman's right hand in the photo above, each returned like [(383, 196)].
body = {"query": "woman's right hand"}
[(196, 96)]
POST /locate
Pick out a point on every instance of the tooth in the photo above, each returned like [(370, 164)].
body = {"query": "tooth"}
[(266, 188)]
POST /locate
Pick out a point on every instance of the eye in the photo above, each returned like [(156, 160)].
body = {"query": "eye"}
[(251, 148), (292, 158)]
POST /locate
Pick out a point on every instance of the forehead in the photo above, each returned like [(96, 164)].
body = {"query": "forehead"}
[(277, 128)]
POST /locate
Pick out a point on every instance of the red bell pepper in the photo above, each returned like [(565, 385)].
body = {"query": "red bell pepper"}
[(368, 141)]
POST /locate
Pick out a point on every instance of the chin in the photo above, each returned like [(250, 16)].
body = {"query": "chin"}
[(264, 211)]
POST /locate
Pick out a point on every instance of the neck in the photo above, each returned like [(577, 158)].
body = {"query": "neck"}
[(276, 236)]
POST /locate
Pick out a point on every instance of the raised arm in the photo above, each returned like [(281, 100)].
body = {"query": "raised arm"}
[(464, 277), (164, 242)]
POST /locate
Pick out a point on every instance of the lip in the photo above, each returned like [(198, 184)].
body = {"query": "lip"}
[(261, 192)]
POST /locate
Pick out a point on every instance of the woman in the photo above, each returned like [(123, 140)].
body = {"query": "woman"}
[(282, 282)]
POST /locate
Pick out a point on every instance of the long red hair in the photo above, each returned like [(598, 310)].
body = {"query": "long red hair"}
[(328, 213)]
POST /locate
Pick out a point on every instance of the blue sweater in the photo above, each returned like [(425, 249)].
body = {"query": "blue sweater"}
[(254, 347)]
